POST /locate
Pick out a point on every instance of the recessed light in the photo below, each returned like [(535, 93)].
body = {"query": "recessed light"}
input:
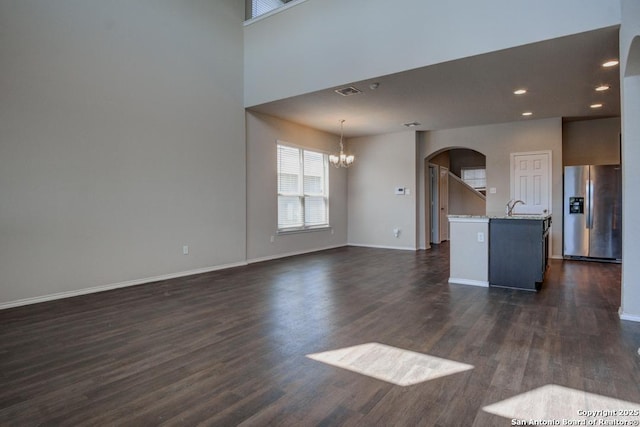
[(611, 63), (519, 91), (602, 88), (596, 105), (527, 113)]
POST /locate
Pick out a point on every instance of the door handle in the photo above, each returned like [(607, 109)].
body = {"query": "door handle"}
[(589, 204)]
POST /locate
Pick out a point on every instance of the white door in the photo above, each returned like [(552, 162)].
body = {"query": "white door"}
[(444, 203), (531, 182), (434, 212)]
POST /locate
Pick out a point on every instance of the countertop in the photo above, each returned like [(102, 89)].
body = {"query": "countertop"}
[(499, 216)]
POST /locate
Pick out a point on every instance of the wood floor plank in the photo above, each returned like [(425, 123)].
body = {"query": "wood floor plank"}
[(228, 347)]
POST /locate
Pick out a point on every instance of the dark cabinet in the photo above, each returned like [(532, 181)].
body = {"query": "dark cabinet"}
[(518, 252)]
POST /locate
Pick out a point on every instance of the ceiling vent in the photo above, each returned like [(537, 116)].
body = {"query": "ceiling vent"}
[(412, 124), (348, 91)]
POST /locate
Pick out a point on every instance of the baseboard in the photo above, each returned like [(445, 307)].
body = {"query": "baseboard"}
[(288, 254), (102, 288), (557, 257), (481, 283), (629, 317), (401, 248)]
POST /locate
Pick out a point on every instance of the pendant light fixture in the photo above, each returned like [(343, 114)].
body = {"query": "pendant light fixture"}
[(341, 160)]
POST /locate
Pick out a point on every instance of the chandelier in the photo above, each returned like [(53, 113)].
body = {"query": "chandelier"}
[(341, 160)]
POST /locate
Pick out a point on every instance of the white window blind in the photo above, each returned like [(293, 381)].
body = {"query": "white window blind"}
[(475, 177), (260, 7), (302, 189)]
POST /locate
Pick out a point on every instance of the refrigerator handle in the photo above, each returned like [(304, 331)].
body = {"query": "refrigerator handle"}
[(589, 204)]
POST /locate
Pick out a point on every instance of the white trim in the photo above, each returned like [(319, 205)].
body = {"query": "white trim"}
[(629, 317), (286, 231), (467, 218), (556, 257), (288, 254), (102, 288), (402, 248), (456, 281)]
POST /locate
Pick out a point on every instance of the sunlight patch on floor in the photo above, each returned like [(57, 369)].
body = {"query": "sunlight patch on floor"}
[(390, 364), (558, 403)]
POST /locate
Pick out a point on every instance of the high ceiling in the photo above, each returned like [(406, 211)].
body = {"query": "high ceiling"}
[(560, 76)]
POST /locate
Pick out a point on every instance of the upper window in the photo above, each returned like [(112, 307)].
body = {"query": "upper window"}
[(303, 193), (260, 7), (475, 177)]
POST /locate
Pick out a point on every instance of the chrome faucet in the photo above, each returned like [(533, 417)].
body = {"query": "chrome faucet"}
[(511, 204)]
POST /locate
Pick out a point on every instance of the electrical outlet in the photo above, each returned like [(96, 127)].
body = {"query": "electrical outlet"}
[(272, 239), (480, 237), (185, 250)]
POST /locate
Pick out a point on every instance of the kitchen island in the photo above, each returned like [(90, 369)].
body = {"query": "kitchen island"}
[(500, 250)]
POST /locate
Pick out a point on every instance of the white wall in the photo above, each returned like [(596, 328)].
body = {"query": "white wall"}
[(464, 200), (383, 162), (496, 142), (262, 209), (630, 98), (469, 260), (122, 140), (319, 44)]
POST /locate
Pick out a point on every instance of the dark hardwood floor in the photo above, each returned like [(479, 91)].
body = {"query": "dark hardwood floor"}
[(228, 347)]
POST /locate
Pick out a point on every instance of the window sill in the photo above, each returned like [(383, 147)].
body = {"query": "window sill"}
[(303, 230)]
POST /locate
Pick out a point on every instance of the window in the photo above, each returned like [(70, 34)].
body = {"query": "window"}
[(303, 194), (475, 177), (260, 7)]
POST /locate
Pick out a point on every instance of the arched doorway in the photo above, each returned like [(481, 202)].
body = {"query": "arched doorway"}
[(455, 183)]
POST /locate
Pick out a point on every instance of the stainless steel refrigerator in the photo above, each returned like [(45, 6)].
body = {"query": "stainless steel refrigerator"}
[(593, 212)]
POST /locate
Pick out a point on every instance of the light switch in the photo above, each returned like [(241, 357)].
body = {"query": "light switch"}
[(492, 190)]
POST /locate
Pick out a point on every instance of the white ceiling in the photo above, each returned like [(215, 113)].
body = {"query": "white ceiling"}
[(560, 76)]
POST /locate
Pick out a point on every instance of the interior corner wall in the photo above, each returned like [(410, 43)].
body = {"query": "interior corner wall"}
[(630, 100), (383, 162), (591, 142), (441, 159), (318, 44), (263, 132), (497, 142), (463, 200), (122, 140), (461, 159)]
